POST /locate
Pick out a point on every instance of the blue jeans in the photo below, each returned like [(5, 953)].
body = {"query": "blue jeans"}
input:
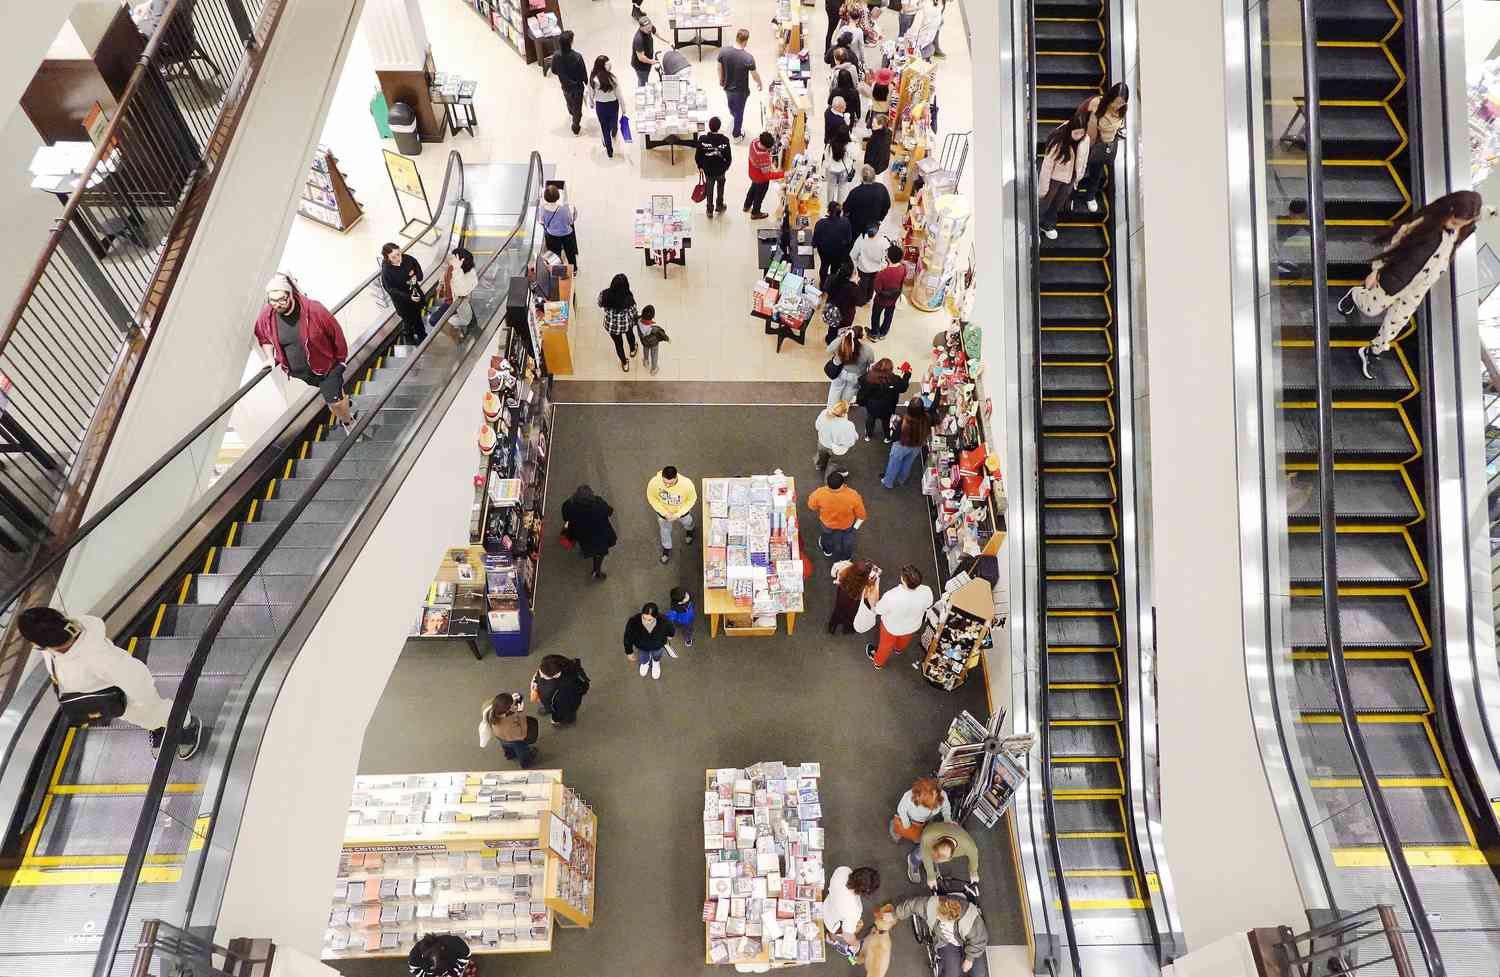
[(519, 750), (644, 657), (609, 122), (737, 102), (839, 542), (898, 467)]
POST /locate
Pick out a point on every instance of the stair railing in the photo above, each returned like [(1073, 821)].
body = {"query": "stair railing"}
[(1334, 947)]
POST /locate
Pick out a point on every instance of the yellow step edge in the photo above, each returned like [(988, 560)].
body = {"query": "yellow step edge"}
[(26, 877), (1421, 857), (1079, 904), (122, 790)]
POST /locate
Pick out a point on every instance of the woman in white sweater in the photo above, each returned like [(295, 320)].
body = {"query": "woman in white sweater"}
[(1064, 160), (836, 433)]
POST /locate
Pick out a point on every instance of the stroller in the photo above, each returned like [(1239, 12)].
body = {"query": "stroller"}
[(959, 888)]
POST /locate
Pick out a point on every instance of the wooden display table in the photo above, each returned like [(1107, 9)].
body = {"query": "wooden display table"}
[(491, 857), (718, 600)]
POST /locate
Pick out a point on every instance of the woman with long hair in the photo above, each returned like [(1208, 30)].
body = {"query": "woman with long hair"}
[(907, 449), (842, 295), (604, 91), (1106, 115), (1064, 156), (1413, 256), (879, 390), (457, 284), (854, 581), (621, 317), (838, 163), (853, 356), (586, 522)]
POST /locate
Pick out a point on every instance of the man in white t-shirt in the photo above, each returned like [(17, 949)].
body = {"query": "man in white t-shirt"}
[(900, 612), (843, 909)]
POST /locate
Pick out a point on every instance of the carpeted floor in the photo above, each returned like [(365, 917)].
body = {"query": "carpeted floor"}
[(640, 746)]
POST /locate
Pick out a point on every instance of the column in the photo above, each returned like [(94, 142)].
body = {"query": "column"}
[(396, 37)]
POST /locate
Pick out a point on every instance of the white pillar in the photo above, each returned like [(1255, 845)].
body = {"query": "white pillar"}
[(395, 34)]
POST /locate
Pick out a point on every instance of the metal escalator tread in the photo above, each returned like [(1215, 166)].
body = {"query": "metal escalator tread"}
[(1396, 749), (1358, 132), (1074, 310), (1102, 740), (1374, 433), (283, 559), (1355, 73), (1075, 344), (1076, 241), (1080, 558), (1299, 376), (1095, 704), (1077, 487), (1093, 854), (1078, 523), (119, 754), (242, 621), (1091, 451), (316, 511), (253, 534), (1422, 816), (1074, 275), (1376, 685), (1092, 667), (1077, 381), (1350, 192), (365, 450), (1068, 35), (1294, 310), (1087, 814), (101, 824), (1081, 595), (170, 655), (1360, 495), (332, 490), (1353, 20), (1068, 8), (1082, 70), (1349, 247), (1090, 888), (1378, 558), (1056, 105), (262, 588), (384, 380), (1081, 631), (1077, 415), (1367, 621), (349, 468)]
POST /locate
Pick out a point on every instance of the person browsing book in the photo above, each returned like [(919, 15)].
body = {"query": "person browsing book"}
[(673, 497), (438, 955), (900, 612), (844, 909), (504, 718)]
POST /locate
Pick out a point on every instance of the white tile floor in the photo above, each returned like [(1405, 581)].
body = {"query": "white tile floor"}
[(703, 307)]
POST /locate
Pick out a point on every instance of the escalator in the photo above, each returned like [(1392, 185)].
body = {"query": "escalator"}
[(1383, 494), (281, 524), (1106, 890)]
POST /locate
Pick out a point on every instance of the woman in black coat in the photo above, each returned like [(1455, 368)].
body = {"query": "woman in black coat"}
[(879, 390), (559, 686), (586, 521)]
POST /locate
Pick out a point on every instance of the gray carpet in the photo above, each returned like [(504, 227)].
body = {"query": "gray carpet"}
[(640, 746)]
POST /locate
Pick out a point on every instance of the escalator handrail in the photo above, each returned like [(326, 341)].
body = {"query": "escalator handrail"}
[(1327, 528), (135, 857), (1044, 732)]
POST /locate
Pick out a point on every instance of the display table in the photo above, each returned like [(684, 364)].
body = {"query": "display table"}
[(489, 857), (455, 603), (456, 95), (670, 112), (663, 233), (763, 871), (698, 16), (752, 555), (785, 298)]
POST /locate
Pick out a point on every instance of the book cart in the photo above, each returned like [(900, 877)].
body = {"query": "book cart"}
[(494, 858), (763, 872), (326, 196), (959, 635), (752, 555)]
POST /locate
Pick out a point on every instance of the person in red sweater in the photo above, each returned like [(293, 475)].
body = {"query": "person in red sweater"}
[(762, 172), (303, 339), (888, 284)]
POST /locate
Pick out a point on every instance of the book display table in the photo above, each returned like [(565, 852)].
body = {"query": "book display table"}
[(494, 858), (763, 872), (663, 232), (752, 557), (691, 19)]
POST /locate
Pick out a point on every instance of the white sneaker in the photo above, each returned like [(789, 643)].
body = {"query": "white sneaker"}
[(1364, 362), (656, 669), (1093, 206), (645, 667), (1049, 233), (670, 651)]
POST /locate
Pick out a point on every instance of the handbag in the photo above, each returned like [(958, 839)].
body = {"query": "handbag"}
[(625, 128), (82, 708), (700, 192), (832, 318), (832, 369), (565, 540), (864, 618)]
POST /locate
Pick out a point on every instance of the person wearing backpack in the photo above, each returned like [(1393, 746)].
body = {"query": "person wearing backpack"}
[(504, 718), (558, 688), (713, 157)]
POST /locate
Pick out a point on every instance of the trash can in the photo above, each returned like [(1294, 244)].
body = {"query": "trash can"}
[(403, 123)]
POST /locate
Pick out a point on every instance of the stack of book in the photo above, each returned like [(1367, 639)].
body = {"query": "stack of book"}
[(753, 548)]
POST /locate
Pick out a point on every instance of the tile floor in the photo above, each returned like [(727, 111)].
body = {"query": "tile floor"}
[(704, 306)]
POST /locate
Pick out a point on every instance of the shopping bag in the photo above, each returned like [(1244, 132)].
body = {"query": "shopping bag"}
[(700, 192), (864, 618), (625, 128), (832, 369), (564, 540)]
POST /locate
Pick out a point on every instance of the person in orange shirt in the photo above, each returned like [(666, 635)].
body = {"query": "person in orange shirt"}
[(841, 511)]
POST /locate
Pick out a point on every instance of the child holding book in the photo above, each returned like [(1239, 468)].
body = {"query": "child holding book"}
[(682, 614), (652, 336)]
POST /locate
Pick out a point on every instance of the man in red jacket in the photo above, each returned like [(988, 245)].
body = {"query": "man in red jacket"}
[(306, 342), (762, 172)]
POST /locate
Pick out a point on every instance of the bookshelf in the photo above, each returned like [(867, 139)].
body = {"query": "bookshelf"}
[(476, 854), (326, 195), (510, 20), (983, 767), (960, 636)]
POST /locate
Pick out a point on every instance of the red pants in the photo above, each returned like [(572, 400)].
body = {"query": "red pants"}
[(890, 644)]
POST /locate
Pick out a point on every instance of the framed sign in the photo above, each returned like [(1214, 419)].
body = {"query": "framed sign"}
[(406, 179)]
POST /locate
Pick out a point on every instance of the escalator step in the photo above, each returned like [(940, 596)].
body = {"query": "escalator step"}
[(1073, 70), (1056, 105), (401, 399), (1071, 380), (1383, 685), (1349, 192), (252, 534), (1077, 451), (1349, 247), (1353, 20), (333, 490), (1068, 35), (1367, 623), (1382, 558), (1360, 495), (170, 656), (1075, 310), (1089, 888), (365, 450), (1359, 434), (360, 468), (83, 825), (1097, 704), (1358, 132), (118, 754), (386, 379), (1073, 275), (1082, 631), (1088, 814), (263, 588), (316, 511), (1295, 314), (1077, 487), (1074, 9), (390, 425), (1080, 558), (1076, 241), (1092, 667), (1077, 415), (1093, 854), (243, 620), (1091, 523), (1102, 740), (284, 559), (1299, 379), (1075, 344), (1362, 74), (1396, 750), (1422, 816), (1082, 595)]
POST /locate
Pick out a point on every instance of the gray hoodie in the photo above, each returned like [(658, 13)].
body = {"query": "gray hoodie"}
[(972, 935)]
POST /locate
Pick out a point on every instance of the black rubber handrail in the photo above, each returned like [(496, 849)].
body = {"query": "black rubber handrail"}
[(1033, 237), (135, 858), (1327, 528)]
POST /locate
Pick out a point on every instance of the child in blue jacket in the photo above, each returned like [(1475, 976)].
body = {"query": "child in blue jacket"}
[(682, 614)]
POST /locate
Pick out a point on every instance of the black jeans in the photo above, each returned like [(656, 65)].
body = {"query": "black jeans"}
[(411, 318), (598, 562), (619, 341), (875, 424), (756, 196), (1054, 202), (565, 245), (880, 319), (715, 185), (574, 97), (1100, 156)]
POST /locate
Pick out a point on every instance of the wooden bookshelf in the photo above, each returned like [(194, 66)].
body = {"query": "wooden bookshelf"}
[(327, 198)]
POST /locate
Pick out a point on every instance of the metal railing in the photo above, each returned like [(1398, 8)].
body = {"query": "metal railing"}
[(167, 949), (75, 338), (1492, 475), (1335, 946)]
